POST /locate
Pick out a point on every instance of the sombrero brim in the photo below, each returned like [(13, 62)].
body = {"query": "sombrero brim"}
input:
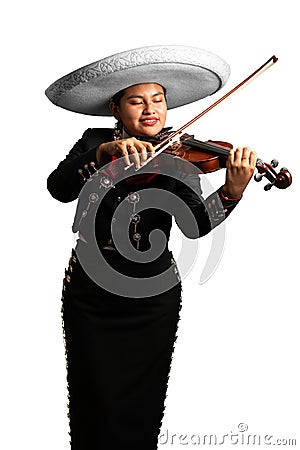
[(188, 74)]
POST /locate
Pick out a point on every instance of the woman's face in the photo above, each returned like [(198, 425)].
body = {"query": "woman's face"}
[(142, 109)]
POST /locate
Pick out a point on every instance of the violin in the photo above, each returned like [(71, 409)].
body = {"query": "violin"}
[(212, 155)]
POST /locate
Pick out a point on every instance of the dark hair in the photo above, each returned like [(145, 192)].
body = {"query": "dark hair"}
[(117, 97)]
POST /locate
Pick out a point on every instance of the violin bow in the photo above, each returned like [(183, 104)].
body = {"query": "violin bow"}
[(281, 180), (170, 139)]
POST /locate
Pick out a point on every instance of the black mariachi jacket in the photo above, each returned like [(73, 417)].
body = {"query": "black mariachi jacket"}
[(67, 181)]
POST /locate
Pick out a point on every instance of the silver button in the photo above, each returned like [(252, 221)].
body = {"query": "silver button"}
[(93, 197), (133, 197), (106, 182), (135, 218)]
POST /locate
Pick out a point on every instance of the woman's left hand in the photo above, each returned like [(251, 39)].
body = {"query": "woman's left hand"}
[(240, 167)]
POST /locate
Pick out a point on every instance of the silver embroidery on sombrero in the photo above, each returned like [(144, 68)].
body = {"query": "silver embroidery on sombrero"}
[(129, 59), (187, 73)]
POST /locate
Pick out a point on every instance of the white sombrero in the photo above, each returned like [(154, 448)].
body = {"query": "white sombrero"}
[(188, 74)]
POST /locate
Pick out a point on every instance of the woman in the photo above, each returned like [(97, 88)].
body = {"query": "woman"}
[(120, 332)]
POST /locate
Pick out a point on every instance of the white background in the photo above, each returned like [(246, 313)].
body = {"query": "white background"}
[(237, 354)]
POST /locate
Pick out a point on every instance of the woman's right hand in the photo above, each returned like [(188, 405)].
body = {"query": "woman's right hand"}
[(135, 152)]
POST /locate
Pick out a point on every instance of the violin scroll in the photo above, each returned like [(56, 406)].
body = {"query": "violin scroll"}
[(281, 180)]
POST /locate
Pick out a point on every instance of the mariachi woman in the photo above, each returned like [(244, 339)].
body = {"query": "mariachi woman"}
[(119, 332)]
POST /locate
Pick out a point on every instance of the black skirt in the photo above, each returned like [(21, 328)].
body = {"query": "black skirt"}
[(118, 352)]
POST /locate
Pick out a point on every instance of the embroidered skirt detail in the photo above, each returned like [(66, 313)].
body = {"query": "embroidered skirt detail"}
[(118, 354)]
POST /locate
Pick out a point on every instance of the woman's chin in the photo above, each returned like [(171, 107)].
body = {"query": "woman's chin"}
[(150, 131)]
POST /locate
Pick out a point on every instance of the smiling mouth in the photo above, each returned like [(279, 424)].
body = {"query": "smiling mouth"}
[(150, 121)]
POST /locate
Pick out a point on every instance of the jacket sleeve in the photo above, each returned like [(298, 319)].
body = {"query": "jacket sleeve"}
[(67, 180), (208, 213)]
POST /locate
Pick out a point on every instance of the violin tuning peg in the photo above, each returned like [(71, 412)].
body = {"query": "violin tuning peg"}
[(258, 176), (274, 163), (268, 186)]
